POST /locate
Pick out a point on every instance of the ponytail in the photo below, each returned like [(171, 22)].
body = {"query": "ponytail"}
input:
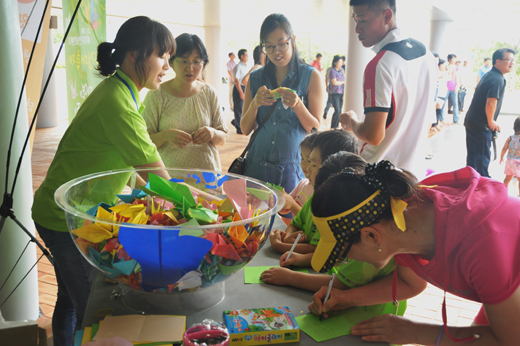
[(106, 65)]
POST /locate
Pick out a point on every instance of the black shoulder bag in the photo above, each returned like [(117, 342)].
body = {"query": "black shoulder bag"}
[(238, 166)]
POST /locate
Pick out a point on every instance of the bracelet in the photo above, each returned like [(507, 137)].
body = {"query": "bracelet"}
[(440, 336), (297, 103)]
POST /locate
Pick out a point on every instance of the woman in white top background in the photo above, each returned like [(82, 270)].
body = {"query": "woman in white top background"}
[(183, 116)]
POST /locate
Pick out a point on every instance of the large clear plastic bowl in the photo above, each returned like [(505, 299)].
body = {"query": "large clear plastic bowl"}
[(82, 194)]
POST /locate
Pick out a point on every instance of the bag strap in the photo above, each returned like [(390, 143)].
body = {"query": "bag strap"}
[(251, 140)]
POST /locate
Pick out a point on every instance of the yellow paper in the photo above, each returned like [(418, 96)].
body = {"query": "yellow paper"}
[(93, 233)]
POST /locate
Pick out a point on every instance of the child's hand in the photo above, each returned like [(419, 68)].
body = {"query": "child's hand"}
[(290, 204), (296, 259), (276, 238), (291, 238), (501, 160), (277, 276)]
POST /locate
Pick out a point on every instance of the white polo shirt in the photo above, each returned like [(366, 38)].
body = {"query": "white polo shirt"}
[(401, 80)]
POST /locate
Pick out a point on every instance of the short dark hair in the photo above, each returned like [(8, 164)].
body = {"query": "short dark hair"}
[(499, 54), (451, 56), (441, 61), (486, 59), (230, 54), (309, 139), (335, 59), (436, 55), (516, 125), (318, 55), (376, 5), (335, 164), (186, 44), (241, 52), (138, 34), (334, 141)]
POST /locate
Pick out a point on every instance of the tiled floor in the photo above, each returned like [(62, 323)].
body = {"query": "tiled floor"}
[(425, 307)]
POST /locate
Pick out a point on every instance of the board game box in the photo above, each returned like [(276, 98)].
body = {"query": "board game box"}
[(261, 326)]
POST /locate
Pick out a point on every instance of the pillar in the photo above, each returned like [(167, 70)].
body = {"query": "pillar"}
[(48, 113), (212, 28), (438, 29), (23, 304), (357, 59), (212, 42)]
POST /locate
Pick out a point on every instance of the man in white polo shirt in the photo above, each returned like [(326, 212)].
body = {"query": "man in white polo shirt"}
[(398, 88)]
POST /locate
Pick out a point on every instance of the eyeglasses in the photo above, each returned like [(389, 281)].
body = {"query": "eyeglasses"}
[(282, 47), (187, 63), (510, 60)]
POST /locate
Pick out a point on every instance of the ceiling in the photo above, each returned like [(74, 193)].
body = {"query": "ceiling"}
[(317, 16)]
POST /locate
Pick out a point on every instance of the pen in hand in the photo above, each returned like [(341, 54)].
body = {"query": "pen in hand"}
[(294, 245), (328, 292)]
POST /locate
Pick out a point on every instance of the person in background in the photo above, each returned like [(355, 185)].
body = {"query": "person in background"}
[(480, 121), (230, 65), (465, 80), (108, 133), (453, 84), (512, 147), (484, 69), (259, 60), (336, 79), (316, 63), (239, 72), (183, 117), (275, 154)]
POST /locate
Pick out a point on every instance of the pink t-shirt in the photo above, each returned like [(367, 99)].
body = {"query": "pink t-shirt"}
[(477, 237), (302, 192)]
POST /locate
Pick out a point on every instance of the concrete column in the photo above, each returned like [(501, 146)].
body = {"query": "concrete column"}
[(48, 113), (23, 304), (357, 59), (212, 28), (438, 29), (212, 42)]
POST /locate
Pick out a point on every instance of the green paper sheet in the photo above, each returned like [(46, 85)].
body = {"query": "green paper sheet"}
[(175, 191), (260, 194), (195, 232), (252, 274), (339, 322)]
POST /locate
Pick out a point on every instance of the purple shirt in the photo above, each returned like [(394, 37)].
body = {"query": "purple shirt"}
[(340, 77)]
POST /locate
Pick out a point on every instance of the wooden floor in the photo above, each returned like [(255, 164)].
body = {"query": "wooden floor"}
[(424, 307)]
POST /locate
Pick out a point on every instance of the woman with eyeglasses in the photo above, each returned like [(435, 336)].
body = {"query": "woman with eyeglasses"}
[(458, 231), (183, 116), (275, 154)]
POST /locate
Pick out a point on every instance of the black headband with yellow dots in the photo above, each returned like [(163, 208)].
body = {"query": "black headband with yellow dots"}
[(335, 230)]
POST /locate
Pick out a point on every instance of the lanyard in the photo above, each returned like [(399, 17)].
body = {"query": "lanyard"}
[(131, 92)]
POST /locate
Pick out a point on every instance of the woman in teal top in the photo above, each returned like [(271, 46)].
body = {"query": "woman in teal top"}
[(275, 154), (107, 133)]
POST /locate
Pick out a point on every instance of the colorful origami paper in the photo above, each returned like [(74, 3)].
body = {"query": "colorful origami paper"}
[(221, 247), (236, 192), (131, 197)]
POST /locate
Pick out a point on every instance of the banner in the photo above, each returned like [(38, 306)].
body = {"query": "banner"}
[(86, 33), (30, 13)]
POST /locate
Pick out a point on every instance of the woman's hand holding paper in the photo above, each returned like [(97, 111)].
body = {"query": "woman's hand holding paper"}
[(178, 137), (203, 135), (263, 97)]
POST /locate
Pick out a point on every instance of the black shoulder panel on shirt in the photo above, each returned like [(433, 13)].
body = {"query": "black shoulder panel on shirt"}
[(408, 49)]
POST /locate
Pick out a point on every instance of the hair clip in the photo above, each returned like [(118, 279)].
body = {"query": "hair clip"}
[(348, 170)]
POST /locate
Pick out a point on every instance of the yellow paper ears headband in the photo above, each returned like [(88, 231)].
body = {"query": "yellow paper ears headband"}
[(337, 229)]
